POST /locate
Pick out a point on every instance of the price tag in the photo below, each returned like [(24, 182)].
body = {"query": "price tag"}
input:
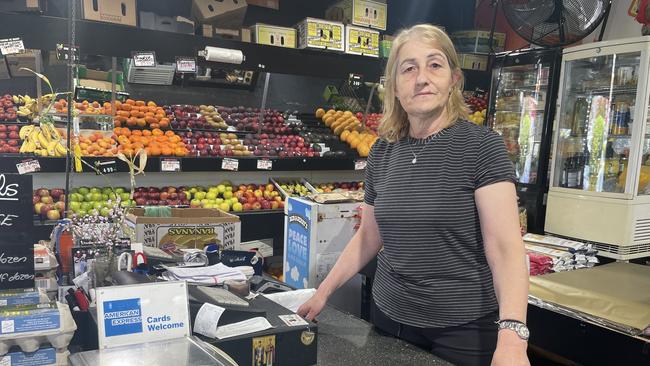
[(230, 164), (11, 46), (264, 164), (144, 59), (359, 164), (63, 51), (28, 166), (170, 165), (186, 65), (106, 167)]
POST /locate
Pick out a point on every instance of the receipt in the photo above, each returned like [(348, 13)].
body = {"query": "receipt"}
[(244, 327), (207, 319)]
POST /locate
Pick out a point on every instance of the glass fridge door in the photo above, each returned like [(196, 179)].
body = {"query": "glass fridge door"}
[(519, 94), (594, 132), (644, 172)]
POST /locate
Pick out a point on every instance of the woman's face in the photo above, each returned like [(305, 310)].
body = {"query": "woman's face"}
[(424, 79)]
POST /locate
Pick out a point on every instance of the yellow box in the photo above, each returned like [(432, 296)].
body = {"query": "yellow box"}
[(366, 13), (361, 41), (471, 61), (321, 34), (272, 35)]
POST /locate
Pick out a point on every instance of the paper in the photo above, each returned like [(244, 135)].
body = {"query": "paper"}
[(360, 165), (207, 319), (293, 320), (244, 327), (230, 164), (264, 164), (292, 300), (211, 275)]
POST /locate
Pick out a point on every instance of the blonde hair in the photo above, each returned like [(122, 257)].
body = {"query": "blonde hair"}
[(394, 124)]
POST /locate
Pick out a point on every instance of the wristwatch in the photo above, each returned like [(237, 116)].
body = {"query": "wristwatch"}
[(515, 325)]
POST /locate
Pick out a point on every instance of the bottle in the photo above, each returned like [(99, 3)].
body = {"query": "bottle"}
[(580, 111)]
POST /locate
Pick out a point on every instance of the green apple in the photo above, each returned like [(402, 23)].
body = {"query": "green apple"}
[(237, 207), (195, 203), (98, 205), (98, 197), (95, 190), (125, 204), (204, 201), (219, 201), (76, 197), (74, 205), (227, 194), (86, 205), (211, 195), (112, 196), (224, 206), (125, 196), (104, 211), (84, 190), (209, 205), (228, 188), (221, 188), (193, 190), (120, 190), (81, 212), (226, 183), (199, 195), (88, 197), (107, 190)]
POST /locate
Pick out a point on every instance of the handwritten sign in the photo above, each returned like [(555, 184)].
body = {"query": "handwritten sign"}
[(16, 249), (11, 46), (170, 165), (28, 166), (106, 167), (186, 65), (230, 164), (264, 164), (144, 59), (360, 164)]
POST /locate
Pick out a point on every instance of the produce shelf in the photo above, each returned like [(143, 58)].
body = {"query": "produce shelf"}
[(97, 38)]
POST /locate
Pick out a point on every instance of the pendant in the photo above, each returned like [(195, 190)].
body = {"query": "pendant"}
[(415, 160)]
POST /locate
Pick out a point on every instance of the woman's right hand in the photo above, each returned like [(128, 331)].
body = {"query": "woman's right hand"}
[(312, 307)]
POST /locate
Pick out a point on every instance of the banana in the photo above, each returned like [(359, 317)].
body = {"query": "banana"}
[(51, 148), (42, 140), (25, 131), (28, 146), (60, 150), (15, 99)]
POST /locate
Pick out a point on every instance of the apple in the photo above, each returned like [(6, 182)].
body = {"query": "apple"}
[(47, 199), (195, 203), (164, 196), (74, 206), (224, 206), (257, 206), (53, 215), (227, 194), (237, 207), (37, 207), (266, 205), (46, 208), (275, 205)]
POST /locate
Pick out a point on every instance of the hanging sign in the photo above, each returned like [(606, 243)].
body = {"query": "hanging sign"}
[(186, 65), (28, 166), (144, 59), (11, 46)]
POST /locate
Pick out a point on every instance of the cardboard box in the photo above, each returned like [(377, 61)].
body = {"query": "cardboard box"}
[(361, 41), (273, 36), (246, 35), (224, 13), (478, 41), (472, 61), (321, 34), (111, 11), (17, 61), (23, 6), (365, 13), (177, 24), (271, 4), (186, 228), (207, 30)]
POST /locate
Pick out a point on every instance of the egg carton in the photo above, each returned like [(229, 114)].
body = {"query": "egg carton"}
[(27, 296), (58, 338), (44, 259), (42, 357)]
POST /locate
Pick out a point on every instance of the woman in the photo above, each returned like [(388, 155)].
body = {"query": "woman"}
[(440, 214)]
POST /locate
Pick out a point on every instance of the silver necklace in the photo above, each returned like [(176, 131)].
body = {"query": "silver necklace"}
[(415, 156)]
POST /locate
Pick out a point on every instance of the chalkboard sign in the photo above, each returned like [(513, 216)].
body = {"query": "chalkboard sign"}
[(16, 224)]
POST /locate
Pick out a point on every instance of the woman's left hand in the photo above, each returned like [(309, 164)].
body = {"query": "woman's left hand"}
[(511, 351)]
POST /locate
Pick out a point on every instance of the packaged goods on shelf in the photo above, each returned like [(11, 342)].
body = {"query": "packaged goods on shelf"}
[(31, 328), (478, 41), (177, 24), (119, 12), (472, 61), (272, 35), (42, 357), (361, 41), (186, 228), (225, 13), (365, 13), (321, 34)]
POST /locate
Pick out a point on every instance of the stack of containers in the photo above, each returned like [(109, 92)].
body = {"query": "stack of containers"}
[(363, 20), (45, 265), (34, 330)]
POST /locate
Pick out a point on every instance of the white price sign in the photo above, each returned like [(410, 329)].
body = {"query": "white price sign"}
[(264, 164), (28, 166), (170, 165), (186, 65), (230, 164), (11, 46), (359, 165), (144, 59)]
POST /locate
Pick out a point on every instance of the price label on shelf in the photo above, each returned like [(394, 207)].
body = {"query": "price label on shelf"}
[(106, 167), (359, 165), (186, 65), (10, 46), (28, 166), (170, 165), (230, 164), (264, 164), (144, 59)]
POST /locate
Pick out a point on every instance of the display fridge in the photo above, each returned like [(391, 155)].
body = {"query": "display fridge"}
[(600, 191), (522, 107)]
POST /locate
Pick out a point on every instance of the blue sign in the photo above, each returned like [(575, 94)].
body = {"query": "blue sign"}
[(122, 317), (298, 239)]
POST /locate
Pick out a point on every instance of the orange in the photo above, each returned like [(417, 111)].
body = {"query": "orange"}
[(126, 132), (167, 151), (126, 107), (117, 131), (154, 125), (151, 104), (139, 103), (156, 132), (132, 121), (179, 151), (130, 102), (146, 133), (169, 133), (154, 151), (150, 120), (141, 122), (117, 123), (164, 124), (136, 133)]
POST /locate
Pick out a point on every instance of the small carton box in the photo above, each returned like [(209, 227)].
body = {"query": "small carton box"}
[(26, 59), (176, 24), (111, 11), (478, 41), (365, 13), (272, 35), (361, 41), (321, 34), (223, 13), (472, 61), (186, 228)]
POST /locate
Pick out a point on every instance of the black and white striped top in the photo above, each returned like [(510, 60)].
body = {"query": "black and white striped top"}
[(433, 271)]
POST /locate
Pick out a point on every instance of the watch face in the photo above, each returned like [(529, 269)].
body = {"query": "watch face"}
[(523, 331)]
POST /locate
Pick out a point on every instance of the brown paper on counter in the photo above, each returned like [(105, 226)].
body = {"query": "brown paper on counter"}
[(618, 292)]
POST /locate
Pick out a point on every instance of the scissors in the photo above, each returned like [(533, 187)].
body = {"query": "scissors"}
[(130, 260)]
